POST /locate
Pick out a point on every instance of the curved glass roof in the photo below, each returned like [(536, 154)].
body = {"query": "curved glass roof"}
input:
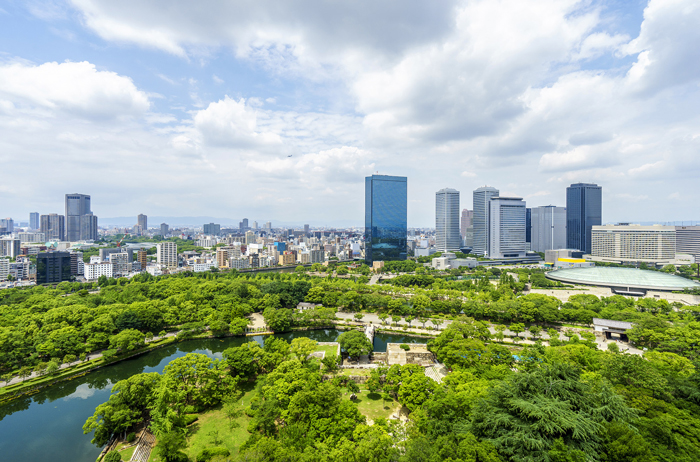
[(622, 277)]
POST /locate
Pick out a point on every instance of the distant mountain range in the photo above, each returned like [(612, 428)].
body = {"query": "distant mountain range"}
[(154, 221)]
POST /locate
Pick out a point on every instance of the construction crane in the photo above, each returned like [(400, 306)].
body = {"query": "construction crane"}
[(119, 244)]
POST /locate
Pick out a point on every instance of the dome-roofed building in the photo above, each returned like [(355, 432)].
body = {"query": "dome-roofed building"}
[(627, 281)]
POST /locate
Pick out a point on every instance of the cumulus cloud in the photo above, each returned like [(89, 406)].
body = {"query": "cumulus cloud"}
[(76, 88)]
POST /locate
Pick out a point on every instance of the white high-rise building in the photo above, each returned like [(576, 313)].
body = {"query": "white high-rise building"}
[(4, 269), (166, 254), (482, 197), (120, 263), (688, 241), (447, 220), (94, 270), (548, 228), (506, 228)]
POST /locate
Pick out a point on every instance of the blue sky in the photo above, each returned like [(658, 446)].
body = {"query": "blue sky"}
[(172, 109)]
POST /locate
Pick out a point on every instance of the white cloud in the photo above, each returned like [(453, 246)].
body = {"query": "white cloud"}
[(76, 88)]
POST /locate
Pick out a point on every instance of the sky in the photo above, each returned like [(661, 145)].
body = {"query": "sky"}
[(278, 110)]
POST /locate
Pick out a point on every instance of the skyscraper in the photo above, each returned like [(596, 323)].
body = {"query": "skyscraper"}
[(88, 227), (306, 230), (212, 228), (386, 210), (8, 224), (52, 267), (506, 228), (77, 205), (53, 226), (528, 228), (584, 209), (164, 229), (548, 228), (447, 220), (34, 220), (482, 197), (142, 221), (465, 222)]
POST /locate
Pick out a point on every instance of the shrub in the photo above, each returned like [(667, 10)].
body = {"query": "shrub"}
[(113, 456), (207, 454), (130, 437), (69, 358), (190, 419), (403, 346)]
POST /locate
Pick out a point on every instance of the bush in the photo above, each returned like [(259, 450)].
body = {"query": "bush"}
[(69, 358), (130, 437), (403, 346), (190, 419), (113, 456), (208, 453)]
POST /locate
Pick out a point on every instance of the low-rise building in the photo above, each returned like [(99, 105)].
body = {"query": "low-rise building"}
[(448, 260), (93, 271), (627, 243)]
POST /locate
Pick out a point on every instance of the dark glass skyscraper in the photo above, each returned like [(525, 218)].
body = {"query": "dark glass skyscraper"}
[(584, 209), (386, 205), (77, 228)]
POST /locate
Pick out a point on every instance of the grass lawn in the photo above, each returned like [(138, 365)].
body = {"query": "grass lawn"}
[(357, 372), (328, 349), (126, 453), (372, 406)]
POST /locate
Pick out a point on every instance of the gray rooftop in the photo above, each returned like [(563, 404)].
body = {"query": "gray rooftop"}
[(612, 324)]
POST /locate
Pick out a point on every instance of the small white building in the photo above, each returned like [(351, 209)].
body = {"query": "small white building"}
[(93, 271)]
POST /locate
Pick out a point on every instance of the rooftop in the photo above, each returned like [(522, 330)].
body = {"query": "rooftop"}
[(622, 277)]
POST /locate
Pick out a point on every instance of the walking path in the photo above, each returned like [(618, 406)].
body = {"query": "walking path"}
[(144, 448)]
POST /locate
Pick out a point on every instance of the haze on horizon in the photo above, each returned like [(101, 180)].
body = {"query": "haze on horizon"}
[(278, 110)]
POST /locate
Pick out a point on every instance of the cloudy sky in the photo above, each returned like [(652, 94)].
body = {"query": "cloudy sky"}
[(278, 110)]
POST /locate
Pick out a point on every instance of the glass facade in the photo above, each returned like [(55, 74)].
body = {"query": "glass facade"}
[(584, 209), (386, 205), (77, 205), (52, 267)]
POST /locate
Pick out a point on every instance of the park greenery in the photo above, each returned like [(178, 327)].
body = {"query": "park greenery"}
[(565, 401)]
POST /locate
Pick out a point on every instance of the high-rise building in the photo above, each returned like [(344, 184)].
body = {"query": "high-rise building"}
[(212, 228), (142, 258), (166, 254), (255, 225), (8, 224), (268, 226), (142, 221), (482, 198), (77, 205), (584, 209), (9, 247), (34, 220), (53, 226), (688, 241), (243, 225), (52, 267), (506, 228), (548, 228), (4, 268), (465, 222), (306, 230), (249, 237), (528, 228), (447, 236), (88, 227), (120, 263), (386, 218), (164, 229)]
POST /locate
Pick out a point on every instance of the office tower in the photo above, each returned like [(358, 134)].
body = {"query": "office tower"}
[(164, 229), (9, 247), (77, 205), (88, 227), (584, 209), (506, 228), (166, 254), (306, 230), (548, 228), (52, 267), (8, 224), (482, 197), (255, 225), (268, 226), (688, 241), (77, 266), (142, 221), (142, 258), (528, 228), (137, 230), (212, 228), (465, 222), (386, 210), (34, 220), (53, 226), (243, 225), (447, 235)]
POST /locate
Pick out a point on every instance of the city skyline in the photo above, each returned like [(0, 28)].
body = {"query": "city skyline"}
[(297, 113)]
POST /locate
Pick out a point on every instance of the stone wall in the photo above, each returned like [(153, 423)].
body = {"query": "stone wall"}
[(414, 357)]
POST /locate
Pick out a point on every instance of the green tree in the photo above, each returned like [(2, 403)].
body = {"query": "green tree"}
[(383, 317), (396, 318), (535, 331), (330, 362), (517, 328), (355, 343), (302, 347), (358, 317), (170, 445), (127, 340)]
